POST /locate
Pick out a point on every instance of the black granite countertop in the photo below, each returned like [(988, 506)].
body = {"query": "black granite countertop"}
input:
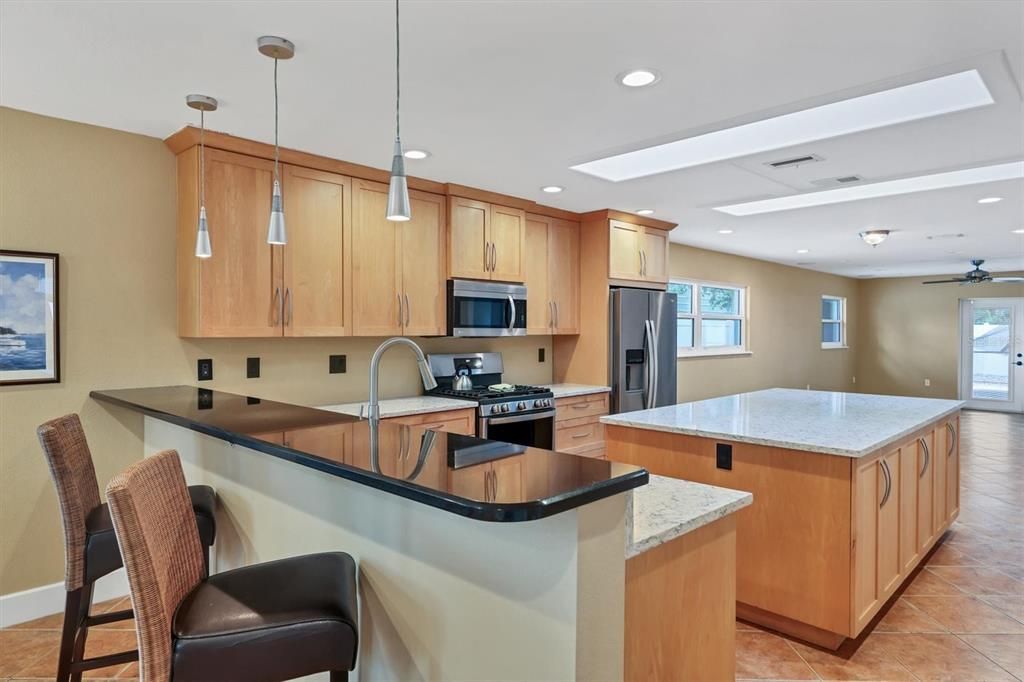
[(481, 479)]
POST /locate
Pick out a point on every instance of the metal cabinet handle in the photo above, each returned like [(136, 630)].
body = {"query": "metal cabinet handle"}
[(927, 457), (408, 310), (399, 296), (641, 262), (952, 438), (558, 314), (580, 406), (291, 305), (888, 482), (551, 313), (275, 304), (582, 435), (429, 427)]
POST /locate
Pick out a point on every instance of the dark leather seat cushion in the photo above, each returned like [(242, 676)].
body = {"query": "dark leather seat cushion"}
[(102, 555), (270, 621)]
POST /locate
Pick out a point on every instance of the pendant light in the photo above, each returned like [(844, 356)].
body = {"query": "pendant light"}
[(202, 103), (398, 188), (276, 48)]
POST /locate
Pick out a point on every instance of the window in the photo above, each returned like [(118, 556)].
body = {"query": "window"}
[(710, 318), (833, 322)]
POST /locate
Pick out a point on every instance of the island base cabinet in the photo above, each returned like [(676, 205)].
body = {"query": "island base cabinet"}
[(876, 539), (681, 608)]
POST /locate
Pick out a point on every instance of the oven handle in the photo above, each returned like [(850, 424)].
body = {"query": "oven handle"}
[(512, 315), (520, 417)]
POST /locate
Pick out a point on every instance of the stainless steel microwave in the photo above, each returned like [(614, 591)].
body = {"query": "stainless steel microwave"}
[(486, 308)]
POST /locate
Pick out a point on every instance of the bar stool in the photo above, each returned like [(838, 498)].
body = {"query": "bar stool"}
[(261, 623), (90, 545)]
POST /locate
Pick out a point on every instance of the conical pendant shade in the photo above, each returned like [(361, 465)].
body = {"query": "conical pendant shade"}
[(398, 189), (276, 233), (203, 249)]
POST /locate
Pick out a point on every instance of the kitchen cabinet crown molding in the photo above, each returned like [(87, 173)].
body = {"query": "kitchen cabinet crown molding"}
[(623, 217)]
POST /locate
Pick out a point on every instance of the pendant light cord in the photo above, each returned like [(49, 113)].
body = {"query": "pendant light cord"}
[(276, 149), (202, 158), (398, 78)]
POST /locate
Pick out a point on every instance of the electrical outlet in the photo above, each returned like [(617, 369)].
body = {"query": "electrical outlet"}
[(336, 364), (855, 380), (927, 382), (252, 368), (808, 387), (204, 369), (540, 355)]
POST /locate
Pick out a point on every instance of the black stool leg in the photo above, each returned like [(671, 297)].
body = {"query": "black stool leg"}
[(82, 629), (206, 561), (72, 613)]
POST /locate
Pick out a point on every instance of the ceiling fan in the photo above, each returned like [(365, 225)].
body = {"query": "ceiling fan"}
[(977, 276)]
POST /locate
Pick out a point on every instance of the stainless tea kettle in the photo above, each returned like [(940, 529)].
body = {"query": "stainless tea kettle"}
[(461, 381)]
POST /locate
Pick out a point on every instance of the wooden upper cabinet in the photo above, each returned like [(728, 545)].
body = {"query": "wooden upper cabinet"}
[(317, 209), (237, 292), (654, 252), (469, 251), (398, 277), (485, 241), (637, 253), (552, 275)]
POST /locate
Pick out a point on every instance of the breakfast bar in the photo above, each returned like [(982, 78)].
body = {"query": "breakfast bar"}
[(851, 492)]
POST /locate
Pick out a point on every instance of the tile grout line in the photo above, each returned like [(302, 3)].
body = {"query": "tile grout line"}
[(800, 656), (983, 654)]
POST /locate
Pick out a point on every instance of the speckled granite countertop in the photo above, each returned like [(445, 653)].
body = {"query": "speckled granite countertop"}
[(667, 508), (571, 390), (403, 407), (845, 424)]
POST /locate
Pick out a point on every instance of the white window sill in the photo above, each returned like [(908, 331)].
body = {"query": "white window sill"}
[(712, 353), (834, 347)]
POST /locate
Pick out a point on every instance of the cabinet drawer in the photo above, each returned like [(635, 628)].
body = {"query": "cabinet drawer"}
[(594, 405), (451, 421), (593, 451), (579, 436)]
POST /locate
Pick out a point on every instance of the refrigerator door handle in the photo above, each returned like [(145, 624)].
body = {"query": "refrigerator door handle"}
[(650, 360), (654, 369)]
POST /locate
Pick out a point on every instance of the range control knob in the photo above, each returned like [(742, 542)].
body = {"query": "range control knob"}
[(504, 407), (495, 409), (521, 405), (538, 403)]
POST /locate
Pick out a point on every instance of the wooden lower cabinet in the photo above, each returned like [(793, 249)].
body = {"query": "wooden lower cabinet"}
[(578, 427), (451, 421), (828, 540)]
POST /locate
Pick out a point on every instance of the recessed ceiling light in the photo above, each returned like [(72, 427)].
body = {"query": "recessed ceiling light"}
[(638, 78), (551, 189), (920, 183), (956, 92), (645, 211), (989, 200), (725, 232), (416, 154), (803, 250), (1020, 231)]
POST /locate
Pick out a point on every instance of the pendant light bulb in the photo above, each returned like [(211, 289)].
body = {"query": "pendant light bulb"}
[(202, 103), (276, 232), (398, 188), (203, 249)]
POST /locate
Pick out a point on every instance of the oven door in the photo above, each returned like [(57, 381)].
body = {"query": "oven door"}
[(535, 430), (486, 309)]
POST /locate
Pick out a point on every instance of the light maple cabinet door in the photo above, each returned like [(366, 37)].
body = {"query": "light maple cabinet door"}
[(910, 553), (925, 490), (952, 455), (889, 566), (507, 480), (539, 304), (376, 263), (654, 255), (624, 250), (317, 211), (564, 275), (473, 482), (939, 464), (239, 289), (423, 266), (877, 567), (468, 238), (333, 441), (507, 232)]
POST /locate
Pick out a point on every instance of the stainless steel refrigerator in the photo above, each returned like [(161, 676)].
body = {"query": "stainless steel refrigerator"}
[(643, 349)]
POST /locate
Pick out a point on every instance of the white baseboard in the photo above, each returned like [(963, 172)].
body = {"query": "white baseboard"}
[(19, 607)]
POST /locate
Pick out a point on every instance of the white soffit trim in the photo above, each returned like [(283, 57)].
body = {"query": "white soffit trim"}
[(921, 183), (943, 95)]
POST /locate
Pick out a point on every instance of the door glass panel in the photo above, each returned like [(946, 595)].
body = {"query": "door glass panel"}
[(719, 333), (684, 333), (990, 354)]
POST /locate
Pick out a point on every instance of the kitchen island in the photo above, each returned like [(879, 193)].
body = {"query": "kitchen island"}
[(851, 492), (477, 559)]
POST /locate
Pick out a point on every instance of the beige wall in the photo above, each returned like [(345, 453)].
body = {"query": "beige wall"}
[(910, 332), (105, 200), (784, 328)]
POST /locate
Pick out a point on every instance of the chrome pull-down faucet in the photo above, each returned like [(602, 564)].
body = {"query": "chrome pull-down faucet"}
[(373, 409)]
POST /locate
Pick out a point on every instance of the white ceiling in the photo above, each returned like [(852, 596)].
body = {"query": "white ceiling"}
[(507, 95)]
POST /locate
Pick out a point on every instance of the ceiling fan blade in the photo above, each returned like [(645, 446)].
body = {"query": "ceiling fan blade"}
[(1007, 279), (948, 281)]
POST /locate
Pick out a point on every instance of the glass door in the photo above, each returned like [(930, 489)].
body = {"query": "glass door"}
[(992, 353)]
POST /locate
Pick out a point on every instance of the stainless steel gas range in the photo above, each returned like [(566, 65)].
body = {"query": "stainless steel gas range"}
[(511, 413)]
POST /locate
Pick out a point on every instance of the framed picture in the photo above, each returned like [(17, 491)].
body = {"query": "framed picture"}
[(29, 318)]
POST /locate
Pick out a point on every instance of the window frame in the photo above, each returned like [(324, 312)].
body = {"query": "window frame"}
[(695, 314), (841, 343)]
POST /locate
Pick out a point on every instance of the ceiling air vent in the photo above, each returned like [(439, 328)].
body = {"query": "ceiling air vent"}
[(795, 161), (837, 182)]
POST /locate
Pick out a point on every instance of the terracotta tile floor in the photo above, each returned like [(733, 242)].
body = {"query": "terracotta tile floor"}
[(962, 617)]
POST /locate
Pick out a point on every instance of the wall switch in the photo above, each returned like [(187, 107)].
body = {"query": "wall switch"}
[(927, 382), (855, 380), (336, 364), (252, 368), (723, 456), (540, 355), (808, 387), (204, 369)]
